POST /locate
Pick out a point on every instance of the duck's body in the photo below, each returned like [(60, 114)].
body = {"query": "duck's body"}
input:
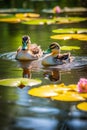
[(54, 57), (25, 55), (50, 60), (28, 51)]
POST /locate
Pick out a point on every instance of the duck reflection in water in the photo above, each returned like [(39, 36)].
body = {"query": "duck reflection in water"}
[(26, 73), (26, 67), (53, 74)]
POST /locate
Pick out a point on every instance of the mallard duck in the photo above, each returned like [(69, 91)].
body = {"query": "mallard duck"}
[(28, 51), (53, 57)]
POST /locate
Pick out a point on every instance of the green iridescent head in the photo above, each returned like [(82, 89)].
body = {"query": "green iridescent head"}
[(52, 46), (25, 41)]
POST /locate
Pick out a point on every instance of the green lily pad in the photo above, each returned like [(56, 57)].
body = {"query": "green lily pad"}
[(10, 20), (59, 20), (70, 48), (82, 37), (39, 21), (70, 30), (33, 19), (66, 20), (19, 82)]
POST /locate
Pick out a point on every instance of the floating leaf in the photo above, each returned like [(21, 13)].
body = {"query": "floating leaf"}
[(83, 95), (69, 93), (24, 15), (59, 20), (70, 48), (39, 21), (19, 82), (43, 91), (82, 106), (70, 30), (16, 18), (59, 92), (82, 37), (33, 19), (68, 96), (33, 15), (10, 20), (66, 20), (20, 15)]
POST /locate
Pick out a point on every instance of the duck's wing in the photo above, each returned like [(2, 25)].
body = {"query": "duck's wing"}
[(64, 56), (19, 48), (36, 50)]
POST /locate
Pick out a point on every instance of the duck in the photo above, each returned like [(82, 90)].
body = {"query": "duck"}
[(28, 51), (54, 57)]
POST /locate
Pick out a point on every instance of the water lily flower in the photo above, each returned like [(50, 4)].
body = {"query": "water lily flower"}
[(56, 9), (82, 85)]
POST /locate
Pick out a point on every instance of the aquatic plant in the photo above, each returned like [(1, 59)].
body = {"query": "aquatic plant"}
[(82, 106), (59, 92), (19, 82), (82, 37), (70, 30), (82, 85)]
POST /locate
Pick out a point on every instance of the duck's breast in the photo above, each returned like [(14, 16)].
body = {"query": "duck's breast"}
[(23, 55), (48, 60)]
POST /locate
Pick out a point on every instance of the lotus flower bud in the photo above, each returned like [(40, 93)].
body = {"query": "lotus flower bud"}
[(82, 85)]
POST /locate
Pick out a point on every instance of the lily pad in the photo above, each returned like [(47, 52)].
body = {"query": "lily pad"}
[(39, 21), (68, 97), (33, 19), (70, 30), (31, 15), (82, 37), (66, 20), (10, 20), (70, 48), (82, 106), (19, 82), (43, 91), (17, 18), (59, 92), (59, 20)]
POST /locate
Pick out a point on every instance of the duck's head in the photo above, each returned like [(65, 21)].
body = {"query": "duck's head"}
[(54, 48), (25, 42)]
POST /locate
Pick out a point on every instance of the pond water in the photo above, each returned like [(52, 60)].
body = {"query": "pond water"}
[(20, 111)]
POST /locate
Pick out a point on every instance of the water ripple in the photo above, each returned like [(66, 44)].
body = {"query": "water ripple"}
[(78, 61), (35, 123), (8, 56)]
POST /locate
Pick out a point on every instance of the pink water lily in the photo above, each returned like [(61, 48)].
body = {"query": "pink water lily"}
[(82, 85)]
